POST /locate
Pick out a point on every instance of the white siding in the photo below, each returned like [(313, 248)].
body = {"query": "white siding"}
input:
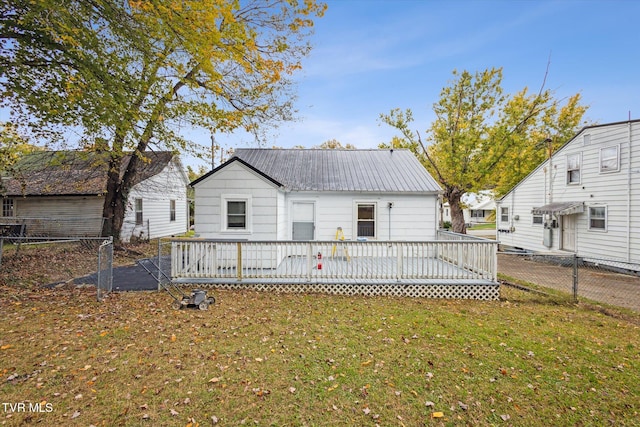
[(413, 216), (619, 191), (237, 180), (156, 194)]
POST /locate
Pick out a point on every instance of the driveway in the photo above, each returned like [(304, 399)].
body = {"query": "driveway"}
[(594, 282)]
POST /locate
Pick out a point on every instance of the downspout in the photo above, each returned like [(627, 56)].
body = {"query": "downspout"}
[(629, 193)]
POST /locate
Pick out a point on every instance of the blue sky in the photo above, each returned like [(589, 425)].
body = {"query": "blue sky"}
[(371, 56)]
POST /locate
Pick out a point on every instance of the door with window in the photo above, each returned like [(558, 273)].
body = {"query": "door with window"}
[(568, 227), (303, 222)]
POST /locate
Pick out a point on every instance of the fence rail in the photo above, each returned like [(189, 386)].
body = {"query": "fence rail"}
[(472, 259)]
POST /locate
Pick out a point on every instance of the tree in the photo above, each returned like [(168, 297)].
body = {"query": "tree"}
[(12, 147), (128, 75), (334, 144), (483, 139)]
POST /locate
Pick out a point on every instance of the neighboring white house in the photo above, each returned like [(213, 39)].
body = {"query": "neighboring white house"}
[(585, 199), (480, 208), (299, 194), (61, 193)]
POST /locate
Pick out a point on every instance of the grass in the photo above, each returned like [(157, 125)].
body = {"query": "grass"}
[(294, 359), (487, 226)]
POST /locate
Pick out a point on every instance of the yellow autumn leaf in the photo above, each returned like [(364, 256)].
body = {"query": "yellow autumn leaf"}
[(173, 338), (6, 346), (437, 415), (367, 362)]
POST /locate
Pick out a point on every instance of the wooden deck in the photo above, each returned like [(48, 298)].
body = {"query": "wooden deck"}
[(430, 269)]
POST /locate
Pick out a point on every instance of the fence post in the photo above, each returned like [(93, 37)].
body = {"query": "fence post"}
[(575, 278), (1, 244), (159, 261), (309, 261)]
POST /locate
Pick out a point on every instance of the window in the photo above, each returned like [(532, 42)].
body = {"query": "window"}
[(138, 211), (366, 220), (538, 220), (586, 139), (598, 218), (237, 214), (610, 159), (504, 214), (477, 213), (172, 210), (573, 168), (8, 208)]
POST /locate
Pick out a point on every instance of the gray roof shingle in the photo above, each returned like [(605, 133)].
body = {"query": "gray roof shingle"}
[(72, 173), (342, 170)]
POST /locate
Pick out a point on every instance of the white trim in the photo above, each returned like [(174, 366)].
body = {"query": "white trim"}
[(375, 217), (606, 219), (579, 169), (224, 199), (617, 159)]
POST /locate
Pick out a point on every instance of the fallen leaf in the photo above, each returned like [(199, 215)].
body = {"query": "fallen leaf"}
[(173, 412), (6, 346), (437, 415)]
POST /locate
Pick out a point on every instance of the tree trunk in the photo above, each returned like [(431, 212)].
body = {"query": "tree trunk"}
[(453, 196), (115, 201)]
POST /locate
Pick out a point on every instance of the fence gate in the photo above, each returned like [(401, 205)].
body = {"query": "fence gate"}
[(104, 283)]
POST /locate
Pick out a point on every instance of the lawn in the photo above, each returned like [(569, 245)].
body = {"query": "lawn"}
[(295, 359)]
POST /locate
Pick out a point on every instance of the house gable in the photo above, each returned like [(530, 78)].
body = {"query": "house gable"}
[(585, 199)]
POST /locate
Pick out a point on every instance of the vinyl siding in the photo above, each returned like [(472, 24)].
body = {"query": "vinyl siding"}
[(156, 194), (621, 240), (237, 180), (413, 217), (60, 216)]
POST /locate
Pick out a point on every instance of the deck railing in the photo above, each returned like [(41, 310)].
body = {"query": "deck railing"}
[(455, 258)]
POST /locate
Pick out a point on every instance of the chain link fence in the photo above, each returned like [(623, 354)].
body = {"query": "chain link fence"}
[(596, 280), (104, 280), (27, 262), (46, 227)]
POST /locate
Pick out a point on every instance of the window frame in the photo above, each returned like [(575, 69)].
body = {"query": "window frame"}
[(139, 211), (604, 218), (358, 220), (504, 214), (8, 205), (570, 169), (224, 217), (172, 210), (540, 222), (617, 159)]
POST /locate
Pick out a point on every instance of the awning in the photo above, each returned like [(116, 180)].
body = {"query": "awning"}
[(559, 208)]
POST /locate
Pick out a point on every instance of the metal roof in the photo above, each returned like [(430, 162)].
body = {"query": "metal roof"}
[(342, 170), (559, 208)]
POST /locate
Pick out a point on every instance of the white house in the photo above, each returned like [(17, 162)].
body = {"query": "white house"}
[(61, 193), (585, 199), (480, 208), (299, 194)]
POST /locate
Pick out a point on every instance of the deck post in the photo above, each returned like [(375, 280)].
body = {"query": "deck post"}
[(399, 256), (239, 261), (309, 261)]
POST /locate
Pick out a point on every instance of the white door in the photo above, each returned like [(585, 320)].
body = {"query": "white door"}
[(303, 222), (568, 232)]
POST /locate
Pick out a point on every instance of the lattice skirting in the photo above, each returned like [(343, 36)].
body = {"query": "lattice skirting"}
[(455, 291)]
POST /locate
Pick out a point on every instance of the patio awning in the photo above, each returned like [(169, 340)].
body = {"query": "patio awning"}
[(559, 208)]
